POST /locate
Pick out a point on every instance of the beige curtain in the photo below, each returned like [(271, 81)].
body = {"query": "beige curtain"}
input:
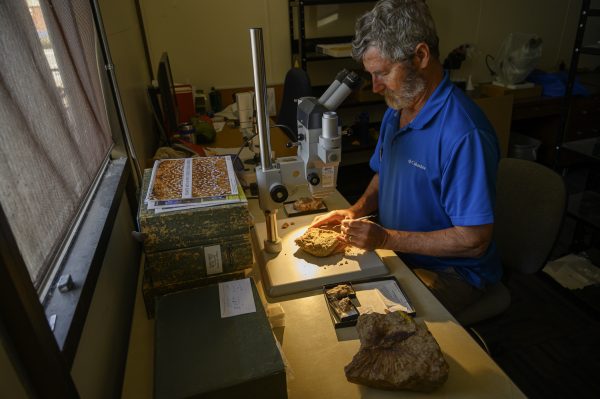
[(54, 131)]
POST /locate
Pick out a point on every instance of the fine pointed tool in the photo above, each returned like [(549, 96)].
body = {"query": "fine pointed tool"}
[(360, 218)]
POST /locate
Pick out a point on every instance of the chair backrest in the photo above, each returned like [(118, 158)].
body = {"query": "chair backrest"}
[(296, 85), (530, 206)]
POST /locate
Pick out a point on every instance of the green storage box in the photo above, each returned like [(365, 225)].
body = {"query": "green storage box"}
[(150, 291), (190, 227), (192, 247), (198, 354)]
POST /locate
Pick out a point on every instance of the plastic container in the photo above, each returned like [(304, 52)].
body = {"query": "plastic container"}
[(523, 147), (187, 132)]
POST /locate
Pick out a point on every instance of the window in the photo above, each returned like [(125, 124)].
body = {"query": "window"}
[(54, 137)]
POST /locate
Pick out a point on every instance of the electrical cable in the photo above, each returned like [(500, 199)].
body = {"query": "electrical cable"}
[(487, 56), (248, 139), (292, 135)]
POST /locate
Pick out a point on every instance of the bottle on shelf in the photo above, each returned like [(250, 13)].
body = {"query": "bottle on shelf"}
[(215, 100), (200, 102)]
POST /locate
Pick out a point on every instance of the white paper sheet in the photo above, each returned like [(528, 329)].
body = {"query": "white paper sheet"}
[(236, 298)]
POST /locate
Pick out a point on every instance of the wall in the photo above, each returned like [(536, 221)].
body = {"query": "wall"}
[(486, 23), (99, 364), (11, 385), (124, 37), (208, 41)]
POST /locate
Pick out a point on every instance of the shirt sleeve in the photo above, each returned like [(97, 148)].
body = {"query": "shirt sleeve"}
[(469, 179)]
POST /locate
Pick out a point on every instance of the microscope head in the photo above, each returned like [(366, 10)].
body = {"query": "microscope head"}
[(319, 134)]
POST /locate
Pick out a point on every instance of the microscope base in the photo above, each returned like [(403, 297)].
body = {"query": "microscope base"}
[(293, 270)]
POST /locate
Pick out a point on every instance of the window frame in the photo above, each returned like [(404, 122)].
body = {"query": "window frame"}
[(84, 260), (45, 356)]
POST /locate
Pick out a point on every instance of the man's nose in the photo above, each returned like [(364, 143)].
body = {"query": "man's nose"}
[(378, 86)]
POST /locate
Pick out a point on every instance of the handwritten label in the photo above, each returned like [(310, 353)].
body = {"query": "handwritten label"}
[(235, 298)]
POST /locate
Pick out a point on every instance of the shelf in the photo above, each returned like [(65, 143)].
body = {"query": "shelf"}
[(319, 57), (590, 50), (309, 45), (323, 2), (585, 206), (593, 12), (589, 147)]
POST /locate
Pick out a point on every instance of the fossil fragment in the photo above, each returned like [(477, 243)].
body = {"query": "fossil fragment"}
[(396, 354)]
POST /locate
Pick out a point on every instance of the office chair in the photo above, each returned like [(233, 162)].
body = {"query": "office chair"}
[(296, 85), (530, 206)]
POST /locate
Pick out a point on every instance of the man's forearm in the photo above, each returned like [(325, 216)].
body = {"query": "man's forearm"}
[(470, 242), (368, 202)]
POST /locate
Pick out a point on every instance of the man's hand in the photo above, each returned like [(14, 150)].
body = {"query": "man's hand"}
[(333, 217), (364, 234)]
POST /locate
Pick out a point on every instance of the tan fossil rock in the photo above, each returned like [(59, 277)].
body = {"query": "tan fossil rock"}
[(396, 354)]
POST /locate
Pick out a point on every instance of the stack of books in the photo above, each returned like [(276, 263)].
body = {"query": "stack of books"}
[(177, 184)]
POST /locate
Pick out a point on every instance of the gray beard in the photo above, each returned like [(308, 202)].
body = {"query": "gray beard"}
[(412, 88)]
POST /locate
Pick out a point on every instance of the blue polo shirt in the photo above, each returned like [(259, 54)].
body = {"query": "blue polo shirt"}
[(437, 172)]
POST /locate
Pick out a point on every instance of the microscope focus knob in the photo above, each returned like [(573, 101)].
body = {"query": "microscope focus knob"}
[(313, 179), (278, 193)]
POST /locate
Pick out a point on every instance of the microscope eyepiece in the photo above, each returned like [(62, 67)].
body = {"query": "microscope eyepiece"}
[(350, 82), (339, 78)]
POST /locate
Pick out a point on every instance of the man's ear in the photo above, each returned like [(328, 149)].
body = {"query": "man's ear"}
[(422, 55)]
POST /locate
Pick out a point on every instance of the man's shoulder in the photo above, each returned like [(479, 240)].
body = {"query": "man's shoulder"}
[(464, 115)]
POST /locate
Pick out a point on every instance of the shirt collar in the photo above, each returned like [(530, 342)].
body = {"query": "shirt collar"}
[(434, 103)]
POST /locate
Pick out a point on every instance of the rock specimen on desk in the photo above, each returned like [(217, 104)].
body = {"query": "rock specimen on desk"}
[(396, 354), (320, 242), (305, 204)]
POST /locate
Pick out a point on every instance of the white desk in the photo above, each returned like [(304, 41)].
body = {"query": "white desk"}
[(317, 353)]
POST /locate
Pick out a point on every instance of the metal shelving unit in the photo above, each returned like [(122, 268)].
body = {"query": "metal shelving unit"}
[(583, 206), (303, 49), (578, 49)]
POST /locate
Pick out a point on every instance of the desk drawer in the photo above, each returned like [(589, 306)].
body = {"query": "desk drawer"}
[(537, 109), (585, 119)]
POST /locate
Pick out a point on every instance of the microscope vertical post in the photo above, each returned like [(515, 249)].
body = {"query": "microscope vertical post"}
[(272, 243)]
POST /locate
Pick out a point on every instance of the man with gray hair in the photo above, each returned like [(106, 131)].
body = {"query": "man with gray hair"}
[(435, 161)]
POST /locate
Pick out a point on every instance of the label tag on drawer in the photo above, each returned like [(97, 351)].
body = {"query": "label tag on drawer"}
[(212, 258)]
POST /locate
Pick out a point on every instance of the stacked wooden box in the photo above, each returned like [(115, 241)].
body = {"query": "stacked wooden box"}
[(192, 247)]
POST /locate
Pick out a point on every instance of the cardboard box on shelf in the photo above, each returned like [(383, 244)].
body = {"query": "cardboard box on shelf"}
[(492, 90)]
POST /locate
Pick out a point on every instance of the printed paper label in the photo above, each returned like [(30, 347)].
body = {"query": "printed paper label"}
[(212, 258)]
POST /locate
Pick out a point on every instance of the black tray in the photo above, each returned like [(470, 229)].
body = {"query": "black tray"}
[(338, 323), (290, 211)]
